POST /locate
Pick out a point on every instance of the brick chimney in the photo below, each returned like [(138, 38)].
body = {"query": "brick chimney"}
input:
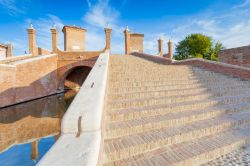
[(32, 40), (108, 31), (127, 41), (9, 50), (54, 39), (160, 46), (170, 49)]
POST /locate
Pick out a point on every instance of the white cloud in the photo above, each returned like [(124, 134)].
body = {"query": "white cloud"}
[(242, 5), (101, 14), (13, 8), (231, 27), (89, 3)]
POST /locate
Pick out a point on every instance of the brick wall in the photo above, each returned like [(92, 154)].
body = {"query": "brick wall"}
[(233, 70), (236, 56), (74, 38), (136, 42), (28, 79), (157, 59), (42, 51)]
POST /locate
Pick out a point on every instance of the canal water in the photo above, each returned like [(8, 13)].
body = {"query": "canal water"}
[(28, 130)]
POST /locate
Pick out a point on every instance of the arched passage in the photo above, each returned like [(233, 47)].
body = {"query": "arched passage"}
[(76, 77)]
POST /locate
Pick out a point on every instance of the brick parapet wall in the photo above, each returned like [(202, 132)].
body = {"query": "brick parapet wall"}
[(136, 42), (28, 79), (233, 70), (15, 58), (156, 59), (42, 51), (236, 56)]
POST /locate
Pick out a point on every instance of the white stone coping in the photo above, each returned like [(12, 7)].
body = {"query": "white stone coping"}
[(76, 151), (31, 59), (80, 141), (16, 57)]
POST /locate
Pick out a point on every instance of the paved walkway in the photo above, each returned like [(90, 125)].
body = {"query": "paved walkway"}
[(239, 157)]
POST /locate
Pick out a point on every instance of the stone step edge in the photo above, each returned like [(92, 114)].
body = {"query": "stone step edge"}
[(171, 88), (175, 139), (194, 155), (161, 123), (167, 93), (112, 117), (194, 94), (170, 102)]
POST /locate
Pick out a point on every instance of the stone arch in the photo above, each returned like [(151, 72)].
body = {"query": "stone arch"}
[(74, 77)]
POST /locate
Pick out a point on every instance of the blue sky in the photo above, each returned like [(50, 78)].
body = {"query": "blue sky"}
[(225, 20)]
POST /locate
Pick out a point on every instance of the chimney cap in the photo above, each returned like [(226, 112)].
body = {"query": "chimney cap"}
[(31, 26), (108, 26), (54, 26), (127, 29)]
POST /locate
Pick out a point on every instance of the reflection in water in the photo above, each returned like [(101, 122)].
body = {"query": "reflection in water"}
[(29, 129)]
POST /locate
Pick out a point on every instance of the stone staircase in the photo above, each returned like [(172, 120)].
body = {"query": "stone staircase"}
[(172, 115)]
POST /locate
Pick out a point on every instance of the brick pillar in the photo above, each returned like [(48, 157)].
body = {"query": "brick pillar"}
[(9, 50), (170, 49), (34, 150), (108, 37), (160, 46), (54, 39), (127, 41), (32, 40)]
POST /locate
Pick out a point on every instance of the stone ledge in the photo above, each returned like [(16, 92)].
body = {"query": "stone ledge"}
[(88, 103), (33, 58), (72, 150), (80, 141)]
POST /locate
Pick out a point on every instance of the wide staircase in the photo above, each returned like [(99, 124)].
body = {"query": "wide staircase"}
[(172, 115)]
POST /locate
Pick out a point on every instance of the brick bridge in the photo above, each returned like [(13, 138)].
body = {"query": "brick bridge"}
[(143, 109), (42, 72)]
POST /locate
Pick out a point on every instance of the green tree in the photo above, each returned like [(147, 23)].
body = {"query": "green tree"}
[(197, 46), (214, 51)]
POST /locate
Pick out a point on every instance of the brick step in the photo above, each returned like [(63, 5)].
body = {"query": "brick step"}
[(148, 72), (131, 103), (129, 114), (116, 129), (194, 152), (166, 73), (140, 103), (175, 82), (123, 70), (214, 91), (156, 77), (143, 74), (124, 147), (149, 78), (113, 90), (133, 113)]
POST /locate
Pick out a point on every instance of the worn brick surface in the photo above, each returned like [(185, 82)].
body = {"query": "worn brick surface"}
[(172, 115)]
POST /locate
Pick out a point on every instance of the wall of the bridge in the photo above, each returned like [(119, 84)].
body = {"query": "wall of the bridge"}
[(28, 79), (68, 62), (40, 76), (236, 56)]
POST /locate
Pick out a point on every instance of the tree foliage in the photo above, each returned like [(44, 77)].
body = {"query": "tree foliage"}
[(198, 46)]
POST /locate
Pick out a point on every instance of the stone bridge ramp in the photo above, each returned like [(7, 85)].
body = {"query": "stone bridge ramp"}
[(172, 115)]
